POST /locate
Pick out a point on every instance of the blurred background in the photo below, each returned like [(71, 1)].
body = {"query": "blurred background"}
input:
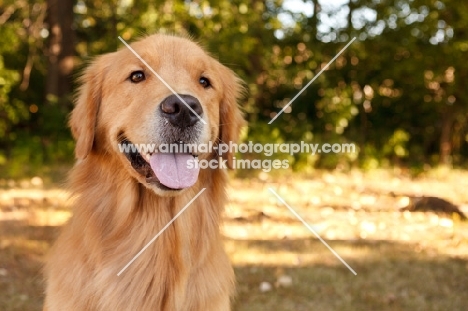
[(398, 92)]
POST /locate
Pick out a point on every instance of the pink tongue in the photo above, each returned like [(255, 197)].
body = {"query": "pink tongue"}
[(174, 170)]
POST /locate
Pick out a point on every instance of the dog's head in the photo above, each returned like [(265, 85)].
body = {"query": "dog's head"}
[(180, 96)]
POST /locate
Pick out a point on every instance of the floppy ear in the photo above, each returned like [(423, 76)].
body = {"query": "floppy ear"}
[(230, 116), (83, 117)]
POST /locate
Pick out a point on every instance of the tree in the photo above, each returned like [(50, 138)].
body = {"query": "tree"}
[(60, 50)]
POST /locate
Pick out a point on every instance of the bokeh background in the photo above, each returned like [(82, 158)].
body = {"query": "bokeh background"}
[(398, 92)]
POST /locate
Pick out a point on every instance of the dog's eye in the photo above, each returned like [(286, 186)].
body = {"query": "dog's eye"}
[(137, 76), (204, 82)]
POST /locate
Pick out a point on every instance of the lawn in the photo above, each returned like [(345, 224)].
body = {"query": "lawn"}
[(403, 260)]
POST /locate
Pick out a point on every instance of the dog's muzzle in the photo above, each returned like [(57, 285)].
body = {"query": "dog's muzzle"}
[(180, 125)]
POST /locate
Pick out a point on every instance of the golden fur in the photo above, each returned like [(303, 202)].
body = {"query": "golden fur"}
[(116, 213)]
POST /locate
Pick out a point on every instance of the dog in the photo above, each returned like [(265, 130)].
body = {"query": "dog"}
[(121, 200)]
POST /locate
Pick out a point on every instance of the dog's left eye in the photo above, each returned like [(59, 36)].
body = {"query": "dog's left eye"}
[(204, 82), (137, 76)]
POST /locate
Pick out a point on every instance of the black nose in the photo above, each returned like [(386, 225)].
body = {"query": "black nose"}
[(178, 113)]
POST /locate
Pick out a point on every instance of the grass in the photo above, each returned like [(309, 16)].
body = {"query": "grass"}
[(404, 261)]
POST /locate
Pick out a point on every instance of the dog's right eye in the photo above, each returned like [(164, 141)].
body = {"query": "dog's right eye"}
[(137, 76)]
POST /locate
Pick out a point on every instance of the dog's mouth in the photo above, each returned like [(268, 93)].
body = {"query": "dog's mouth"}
[(168, 171)]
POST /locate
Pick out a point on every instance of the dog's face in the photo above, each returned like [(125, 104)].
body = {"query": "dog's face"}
[(122, 101)]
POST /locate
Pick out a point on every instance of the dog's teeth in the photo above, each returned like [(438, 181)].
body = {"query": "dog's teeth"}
[(147, 157)]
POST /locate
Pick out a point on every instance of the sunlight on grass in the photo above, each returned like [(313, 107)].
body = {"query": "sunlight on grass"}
[(37, 207), (280, 264)]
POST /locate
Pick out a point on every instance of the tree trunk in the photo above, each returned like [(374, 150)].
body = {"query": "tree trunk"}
[(314, 20), (61, 49)]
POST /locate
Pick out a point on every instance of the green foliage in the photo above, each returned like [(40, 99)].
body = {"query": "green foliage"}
[(11, 112), (398, 92)]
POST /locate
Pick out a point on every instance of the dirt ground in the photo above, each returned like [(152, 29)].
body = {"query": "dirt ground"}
[(403, 260)]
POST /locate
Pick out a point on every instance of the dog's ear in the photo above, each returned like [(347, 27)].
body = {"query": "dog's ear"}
[(84, 116), (230, 116)]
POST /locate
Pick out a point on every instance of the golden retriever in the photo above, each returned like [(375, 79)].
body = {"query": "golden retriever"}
[(122, 200)]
